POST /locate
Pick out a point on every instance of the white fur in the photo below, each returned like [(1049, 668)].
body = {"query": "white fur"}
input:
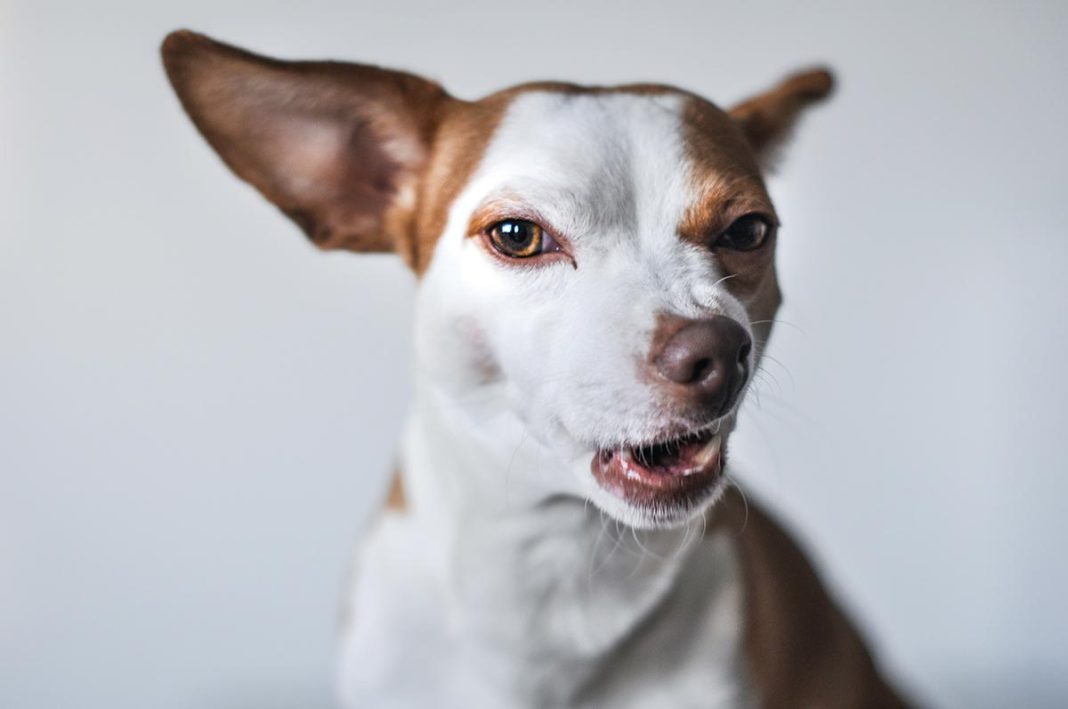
[(501, 586)]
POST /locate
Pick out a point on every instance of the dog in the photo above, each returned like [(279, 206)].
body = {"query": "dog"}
[(596, 284)]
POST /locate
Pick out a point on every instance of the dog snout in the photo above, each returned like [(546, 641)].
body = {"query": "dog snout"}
[(704, 361)]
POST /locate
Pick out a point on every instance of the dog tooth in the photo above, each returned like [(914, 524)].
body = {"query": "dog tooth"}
[(711, 450), (627, 460)]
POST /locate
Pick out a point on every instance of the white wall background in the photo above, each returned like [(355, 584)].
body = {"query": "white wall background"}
[(197, 410)]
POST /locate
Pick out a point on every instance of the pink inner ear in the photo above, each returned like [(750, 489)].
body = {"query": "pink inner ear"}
[(331, 173), (306, 156)]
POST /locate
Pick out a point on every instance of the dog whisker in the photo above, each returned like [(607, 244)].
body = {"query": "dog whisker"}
[(777, 321), (732, 482)]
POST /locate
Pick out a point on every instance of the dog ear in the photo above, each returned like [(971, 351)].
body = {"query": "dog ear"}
[(338, 147), (768, 118)]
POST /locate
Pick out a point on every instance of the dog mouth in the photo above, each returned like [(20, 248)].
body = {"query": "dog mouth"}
[(674, 472)]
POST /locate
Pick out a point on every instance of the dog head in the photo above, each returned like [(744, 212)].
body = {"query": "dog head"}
[(603, 258)]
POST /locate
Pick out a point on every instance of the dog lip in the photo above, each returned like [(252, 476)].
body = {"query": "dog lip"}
[(673, 471)]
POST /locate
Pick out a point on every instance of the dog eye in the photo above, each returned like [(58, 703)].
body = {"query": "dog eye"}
[(520, 238), (747, 233)]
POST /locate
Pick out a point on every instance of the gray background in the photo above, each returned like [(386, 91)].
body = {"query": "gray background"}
[(197, 410)]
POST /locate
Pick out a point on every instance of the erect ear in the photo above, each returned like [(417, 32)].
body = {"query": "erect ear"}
[(338, 147), (767, 119)]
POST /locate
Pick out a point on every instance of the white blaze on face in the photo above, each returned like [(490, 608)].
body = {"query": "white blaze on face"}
[(610, 174)]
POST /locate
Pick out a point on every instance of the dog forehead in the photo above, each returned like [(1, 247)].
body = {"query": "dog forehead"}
[(593, 155), (578, 126), (653, 124)]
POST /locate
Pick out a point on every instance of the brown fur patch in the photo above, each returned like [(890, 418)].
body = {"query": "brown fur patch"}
[(726, 177), (459, 144), (723, 171), (396, 500), (803, 651)]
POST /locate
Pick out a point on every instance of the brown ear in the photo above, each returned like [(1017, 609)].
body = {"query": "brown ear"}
[(338, 147), (768, 118)]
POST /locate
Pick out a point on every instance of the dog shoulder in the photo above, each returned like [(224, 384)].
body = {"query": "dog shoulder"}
[(801, 647)]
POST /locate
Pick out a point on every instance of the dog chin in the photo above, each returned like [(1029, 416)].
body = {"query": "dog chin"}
[(656, 516)]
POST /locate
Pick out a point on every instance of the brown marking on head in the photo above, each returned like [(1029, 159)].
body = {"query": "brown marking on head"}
[(727, 182), (462, 137), (726, 151), (724, 172)]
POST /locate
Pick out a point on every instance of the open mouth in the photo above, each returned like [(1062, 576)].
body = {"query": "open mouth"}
[(676, 471)]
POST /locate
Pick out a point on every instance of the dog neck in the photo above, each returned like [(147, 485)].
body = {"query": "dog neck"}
[(547, 587)]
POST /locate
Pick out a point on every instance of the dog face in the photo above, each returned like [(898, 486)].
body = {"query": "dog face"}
[(600, 259)]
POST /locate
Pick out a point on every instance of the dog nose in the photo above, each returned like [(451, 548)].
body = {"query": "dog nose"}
[(709, 358)]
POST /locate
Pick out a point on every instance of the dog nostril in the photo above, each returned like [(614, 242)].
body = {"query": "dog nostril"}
[(700, 369), (743, 352)]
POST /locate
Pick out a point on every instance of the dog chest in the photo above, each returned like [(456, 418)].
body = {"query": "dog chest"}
[(433, 627)]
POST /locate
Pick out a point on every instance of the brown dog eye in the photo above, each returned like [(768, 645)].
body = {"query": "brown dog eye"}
[(747, 233), (518, 238)]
